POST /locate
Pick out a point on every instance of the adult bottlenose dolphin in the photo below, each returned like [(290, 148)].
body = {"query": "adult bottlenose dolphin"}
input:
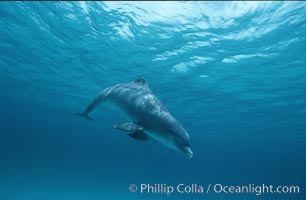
[(149, 118)]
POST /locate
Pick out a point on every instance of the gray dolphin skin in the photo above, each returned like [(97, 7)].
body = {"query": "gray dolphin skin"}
[(149, 118)]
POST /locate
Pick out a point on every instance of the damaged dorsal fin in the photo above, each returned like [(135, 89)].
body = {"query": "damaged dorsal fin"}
[(141, 81)]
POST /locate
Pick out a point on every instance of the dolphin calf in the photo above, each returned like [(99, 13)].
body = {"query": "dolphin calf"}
[(149, 118)]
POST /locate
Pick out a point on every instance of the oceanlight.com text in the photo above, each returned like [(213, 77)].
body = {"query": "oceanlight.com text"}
[(168, 189)]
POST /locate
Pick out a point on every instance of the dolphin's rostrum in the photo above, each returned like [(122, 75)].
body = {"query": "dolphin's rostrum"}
[(149, 118)]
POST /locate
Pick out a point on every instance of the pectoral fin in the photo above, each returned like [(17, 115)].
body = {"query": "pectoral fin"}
[(139, 135), (128, 127)]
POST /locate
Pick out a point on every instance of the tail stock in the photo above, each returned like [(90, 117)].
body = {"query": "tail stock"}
[(81, 115)]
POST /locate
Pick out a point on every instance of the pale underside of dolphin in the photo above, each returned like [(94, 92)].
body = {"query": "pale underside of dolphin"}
[(149, 118)]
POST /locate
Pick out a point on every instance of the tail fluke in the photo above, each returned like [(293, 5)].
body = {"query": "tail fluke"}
[(81, 115)]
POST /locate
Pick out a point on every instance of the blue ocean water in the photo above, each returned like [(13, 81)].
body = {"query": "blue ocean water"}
[(233, 73)]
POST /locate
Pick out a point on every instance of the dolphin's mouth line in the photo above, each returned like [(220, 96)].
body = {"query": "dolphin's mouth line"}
[(187, 152)]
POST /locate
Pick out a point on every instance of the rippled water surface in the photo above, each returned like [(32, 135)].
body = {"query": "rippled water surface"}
[(233, 73)]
